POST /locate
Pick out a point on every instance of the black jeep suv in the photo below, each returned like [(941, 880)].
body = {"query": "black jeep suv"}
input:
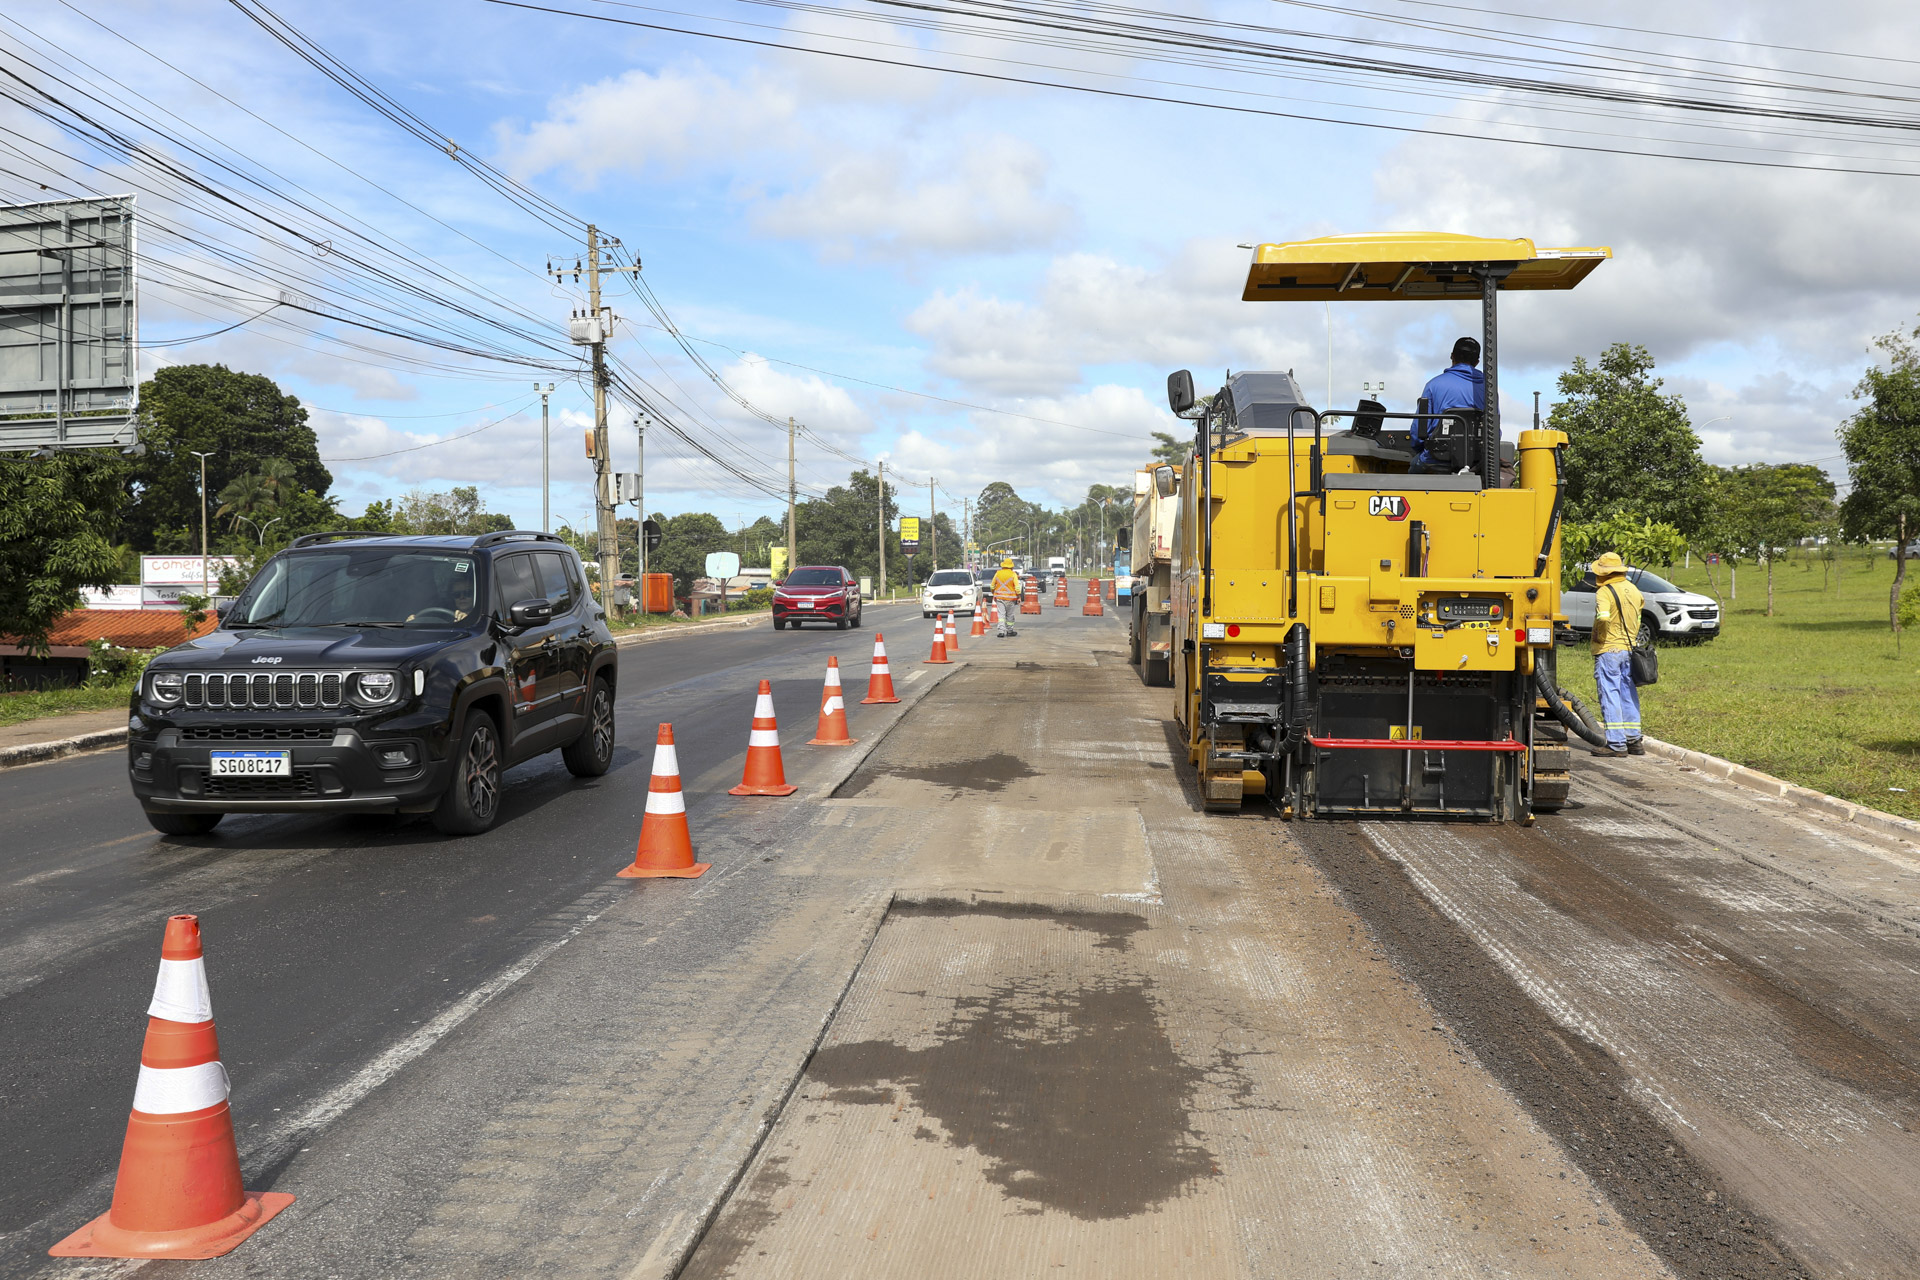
[(375, 674)]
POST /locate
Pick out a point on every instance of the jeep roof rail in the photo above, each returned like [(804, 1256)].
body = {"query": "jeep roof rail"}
[(314, 539), (515, 535)]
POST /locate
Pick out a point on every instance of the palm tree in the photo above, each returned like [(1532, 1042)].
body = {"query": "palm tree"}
[(278, 476), (248, 496)]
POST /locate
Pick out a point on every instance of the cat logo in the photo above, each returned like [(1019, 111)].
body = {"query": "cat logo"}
[(1390, 505)]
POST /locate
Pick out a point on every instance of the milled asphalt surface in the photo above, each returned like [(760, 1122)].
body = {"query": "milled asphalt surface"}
[(331, 939)]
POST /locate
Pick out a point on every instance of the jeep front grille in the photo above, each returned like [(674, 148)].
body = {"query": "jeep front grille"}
[(260, 691)]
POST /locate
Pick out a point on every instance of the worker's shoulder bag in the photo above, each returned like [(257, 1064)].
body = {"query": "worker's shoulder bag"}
[(1643, 664)]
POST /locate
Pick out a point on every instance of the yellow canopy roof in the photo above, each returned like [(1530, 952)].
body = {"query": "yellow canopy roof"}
[(1399, 265)]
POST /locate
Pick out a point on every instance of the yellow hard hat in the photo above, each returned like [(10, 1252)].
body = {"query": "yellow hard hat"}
[(1007, 563), (1608, 564)]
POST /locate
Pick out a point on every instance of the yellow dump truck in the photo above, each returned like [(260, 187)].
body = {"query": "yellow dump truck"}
[(1353, 631)]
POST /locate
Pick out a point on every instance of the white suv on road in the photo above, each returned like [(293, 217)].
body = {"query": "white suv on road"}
[(949, 591), (1670, 613)]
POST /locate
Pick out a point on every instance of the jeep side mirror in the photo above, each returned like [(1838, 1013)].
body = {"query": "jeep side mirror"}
[(1165, 481), (532, 613), (1180, 392)]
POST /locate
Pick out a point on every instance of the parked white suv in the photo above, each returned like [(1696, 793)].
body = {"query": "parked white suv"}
[(1669, 612), (949, 591)]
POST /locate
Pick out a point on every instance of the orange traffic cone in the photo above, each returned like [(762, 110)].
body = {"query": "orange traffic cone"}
[(764, 774), (879, 676), (1030, 602), (1060, 600), (1092, 609), (666, 845), (953, 636), (939, 655), (178, 1194), (979, 627), (833, 712)]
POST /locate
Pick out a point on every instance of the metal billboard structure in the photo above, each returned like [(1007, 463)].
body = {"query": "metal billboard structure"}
[(68, 325)]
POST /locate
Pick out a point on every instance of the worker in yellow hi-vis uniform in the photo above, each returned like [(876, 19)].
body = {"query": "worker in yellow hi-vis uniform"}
[(1006, 590), (1616, 624)]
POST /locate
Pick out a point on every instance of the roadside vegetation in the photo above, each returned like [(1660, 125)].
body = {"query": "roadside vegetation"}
[(1822, 693), (110, 684)]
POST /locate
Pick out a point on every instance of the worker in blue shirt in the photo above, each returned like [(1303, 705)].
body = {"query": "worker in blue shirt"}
[(1461, 386)]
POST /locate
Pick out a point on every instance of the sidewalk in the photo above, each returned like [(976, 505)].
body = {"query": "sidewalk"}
[(31, 740)]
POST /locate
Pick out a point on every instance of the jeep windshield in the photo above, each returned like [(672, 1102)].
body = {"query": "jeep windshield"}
[(360, 587)]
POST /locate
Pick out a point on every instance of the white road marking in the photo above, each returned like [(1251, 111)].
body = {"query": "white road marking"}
[(915, 675)]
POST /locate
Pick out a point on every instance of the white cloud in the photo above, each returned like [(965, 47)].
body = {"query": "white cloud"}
[(991, 197)]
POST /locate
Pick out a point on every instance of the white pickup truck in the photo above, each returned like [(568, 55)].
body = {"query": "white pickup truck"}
[(1669, 612)]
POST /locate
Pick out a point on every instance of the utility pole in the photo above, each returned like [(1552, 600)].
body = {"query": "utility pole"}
[(592, 330), (932, 524), (204, 576), (881, 521), (640, 428), (791, 491), (546, 471)]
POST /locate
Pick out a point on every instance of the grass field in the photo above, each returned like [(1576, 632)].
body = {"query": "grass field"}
[(32, 705), (1818, 694)]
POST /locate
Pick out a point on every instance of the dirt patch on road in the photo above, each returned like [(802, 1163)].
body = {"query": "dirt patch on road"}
[(982, 773), (1114, 927), (1570, 1086)]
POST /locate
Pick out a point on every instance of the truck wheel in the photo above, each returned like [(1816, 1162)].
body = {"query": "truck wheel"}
[(183, 824), (1158, 672), (1133, 641), (472, 801), (591, 754)]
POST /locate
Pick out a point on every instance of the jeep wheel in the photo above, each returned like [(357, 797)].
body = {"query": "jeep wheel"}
[(183, 824), (779, 624), (591, 754), (472, 802)]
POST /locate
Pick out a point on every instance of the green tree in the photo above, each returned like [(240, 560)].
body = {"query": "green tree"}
[(246, 497), (1639, 541), (57, 519), (1171, 450), (685, 542), (1630, 448), (460, 510), (244, 421), (1761, 510), (1882, 444), (843, 526)]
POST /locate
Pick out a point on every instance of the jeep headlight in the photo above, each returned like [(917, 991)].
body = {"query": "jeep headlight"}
[(373, 688), (166, 686)]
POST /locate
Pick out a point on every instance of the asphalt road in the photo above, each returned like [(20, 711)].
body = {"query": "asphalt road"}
[(329, 940)]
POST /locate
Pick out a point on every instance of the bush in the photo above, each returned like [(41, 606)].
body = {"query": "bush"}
[(758, 598), (1908, 610), (111, 666)]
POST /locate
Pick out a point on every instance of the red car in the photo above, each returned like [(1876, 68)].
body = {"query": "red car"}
[(817, 593)]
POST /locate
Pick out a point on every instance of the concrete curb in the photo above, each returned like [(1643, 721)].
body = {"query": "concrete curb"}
[(629, 639), (35, 752), (1793, 793)]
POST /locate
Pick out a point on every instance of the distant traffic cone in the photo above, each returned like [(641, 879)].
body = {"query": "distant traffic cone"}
[(939, 655), (666, 845), (953, 636), (1060, 600), (178, 1194), (1030, 602), (833, 712), (764, 775), (979, 627), (879, 675), (1109, 589), (1092, 609)]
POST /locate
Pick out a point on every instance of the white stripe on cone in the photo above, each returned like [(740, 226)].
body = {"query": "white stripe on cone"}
[(180, 992), (666, 802), (666, 761), (835, 703), (166, 1091), (763, 738), (880, 667), (763, 707), (833, 677)]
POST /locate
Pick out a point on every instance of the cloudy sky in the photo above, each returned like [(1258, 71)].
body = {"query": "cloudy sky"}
[(977, 278)]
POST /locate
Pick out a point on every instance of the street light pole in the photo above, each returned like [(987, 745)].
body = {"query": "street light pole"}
[(546, 520), (204, 577)]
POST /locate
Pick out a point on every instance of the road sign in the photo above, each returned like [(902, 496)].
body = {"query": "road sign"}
[(723, 564), (650, 529), (68, 332), (909, 533)]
